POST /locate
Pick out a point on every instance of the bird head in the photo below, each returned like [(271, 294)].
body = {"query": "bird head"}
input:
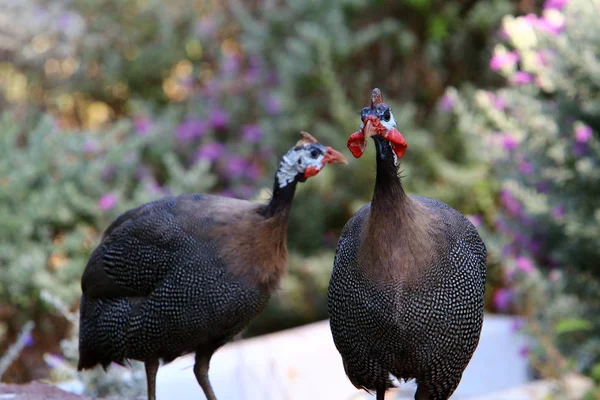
[(306, 159), (377, 121)]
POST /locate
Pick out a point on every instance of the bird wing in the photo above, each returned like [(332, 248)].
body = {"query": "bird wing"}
[(137, 251)]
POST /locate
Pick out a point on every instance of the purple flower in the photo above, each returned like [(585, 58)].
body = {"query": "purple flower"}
[(511, 204), (273, 104), (219, 118), (501, 226), (64, 21), (253, 171), (524, 351), (447, 103), (251, 133), (583, 133), (107, 201), (244, 191), (54, 360), (502, 299), (558, 4), (230, 64), (28, 340), (580, 149), (521, 78), (509, 142), (503, 59), (475, 220), (236, 166), (558, 212), (142, 125), (227, 193), (534, 246), (91, 146), (206, 27), (210, 152), (191, 128), (516, 324), (141, 173), (542, 187), (524, 264), (525, 167), (108, 174)]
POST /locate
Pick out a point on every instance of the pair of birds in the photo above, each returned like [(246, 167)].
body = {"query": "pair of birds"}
[(185, 274)]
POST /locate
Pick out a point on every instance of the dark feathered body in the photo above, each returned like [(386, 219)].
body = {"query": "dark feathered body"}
[(406, 293), (178, 275)]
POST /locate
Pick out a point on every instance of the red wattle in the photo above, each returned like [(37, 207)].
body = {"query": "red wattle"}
[(311, 171), (356, 144), (399, 144)]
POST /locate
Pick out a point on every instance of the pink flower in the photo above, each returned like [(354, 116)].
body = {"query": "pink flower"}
[(511, 204), (583, 133), (447, 103), (142, 125), (558, 212), (525, 167), (524, 264), (524, 351), (558, 4), (509, 142), (502, 299), (521, 78), (552, 26), (475, 220), (501, 60), (253, 171), (107, 201)]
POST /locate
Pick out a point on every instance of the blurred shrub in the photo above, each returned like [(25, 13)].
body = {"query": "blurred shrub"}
[(540, 136), (150, 98), (58, 191)]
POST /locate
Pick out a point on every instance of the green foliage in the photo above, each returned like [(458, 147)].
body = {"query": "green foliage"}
[(540, 137), (58, 191)]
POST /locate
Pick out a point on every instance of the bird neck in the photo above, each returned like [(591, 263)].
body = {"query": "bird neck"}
[(388, 194), (281, 201)]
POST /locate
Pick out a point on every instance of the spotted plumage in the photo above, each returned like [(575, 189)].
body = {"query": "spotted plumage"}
[(406, 294), (185, 274)]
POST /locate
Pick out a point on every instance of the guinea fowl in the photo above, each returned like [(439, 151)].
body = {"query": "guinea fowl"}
[(185, 274), (407, 289)]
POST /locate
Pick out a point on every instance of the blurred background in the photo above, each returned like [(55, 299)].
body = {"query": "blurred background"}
[(107, 104)]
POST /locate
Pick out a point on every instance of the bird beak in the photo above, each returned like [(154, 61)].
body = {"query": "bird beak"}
[(357, 142), (334, 157)]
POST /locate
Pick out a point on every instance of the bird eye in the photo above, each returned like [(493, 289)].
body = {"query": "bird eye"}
[(387, 115), (314, 153)]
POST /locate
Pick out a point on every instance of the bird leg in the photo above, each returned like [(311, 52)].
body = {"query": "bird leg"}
[(380, 394), (201, 372), (151, 369)]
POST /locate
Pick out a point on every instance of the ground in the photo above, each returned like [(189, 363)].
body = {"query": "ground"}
[(37, 391)]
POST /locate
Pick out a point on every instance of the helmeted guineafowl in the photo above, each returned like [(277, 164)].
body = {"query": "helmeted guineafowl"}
[(185, 274), (406, 294)]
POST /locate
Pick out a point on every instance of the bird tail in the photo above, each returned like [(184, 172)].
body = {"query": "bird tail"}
[(102, 332)]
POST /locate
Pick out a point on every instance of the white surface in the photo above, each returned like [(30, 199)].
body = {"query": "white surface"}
[(303, 363)]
